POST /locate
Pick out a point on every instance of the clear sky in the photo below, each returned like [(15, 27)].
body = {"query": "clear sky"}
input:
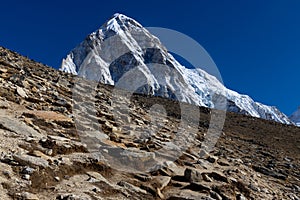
[(255, 44)]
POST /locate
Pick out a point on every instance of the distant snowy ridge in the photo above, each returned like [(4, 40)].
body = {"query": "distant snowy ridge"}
[(110, 53), (295, 117)]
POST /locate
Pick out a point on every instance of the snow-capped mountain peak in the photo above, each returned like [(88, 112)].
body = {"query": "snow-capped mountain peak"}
[(124, 53), (120, 22)]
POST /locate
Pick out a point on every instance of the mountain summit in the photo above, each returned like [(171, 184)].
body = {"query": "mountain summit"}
[(125, 54)]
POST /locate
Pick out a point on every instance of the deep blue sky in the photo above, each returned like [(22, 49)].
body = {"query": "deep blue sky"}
[(255, 44)]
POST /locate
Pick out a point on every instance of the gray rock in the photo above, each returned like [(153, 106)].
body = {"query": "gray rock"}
[(72, 197), (27, 196), (188, 195), (160, 182), (14, 125), (216, 176), (96, 175), (131, 187), (4, 105), (21, 92), (31, 161), (131, 159), (254, 187), (192, 175), (203, 154)]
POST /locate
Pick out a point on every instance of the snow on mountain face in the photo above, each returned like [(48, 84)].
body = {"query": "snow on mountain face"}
[(295, 117), (124, 54)]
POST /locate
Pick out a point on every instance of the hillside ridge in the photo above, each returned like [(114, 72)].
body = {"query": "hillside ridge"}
[(55, 143)]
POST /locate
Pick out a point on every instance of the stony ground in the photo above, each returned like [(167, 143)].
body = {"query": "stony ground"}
[(65, 138)]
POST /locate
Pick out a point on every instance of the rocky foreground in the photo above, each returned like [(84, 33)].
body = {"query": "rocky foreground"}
[(56, 144)]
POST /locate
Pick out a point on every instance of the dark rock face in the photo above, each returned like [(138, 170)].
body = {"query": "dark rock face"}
[(122, 65), (59, 143), (154, 55)]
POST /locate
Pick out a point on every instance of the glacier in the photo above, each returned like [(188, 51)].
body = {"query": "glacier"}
[(125, 54)]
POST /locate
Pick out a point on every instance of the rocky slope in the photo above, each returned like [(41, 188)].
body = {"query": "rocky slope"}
[(51, 146), (125, 54)]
